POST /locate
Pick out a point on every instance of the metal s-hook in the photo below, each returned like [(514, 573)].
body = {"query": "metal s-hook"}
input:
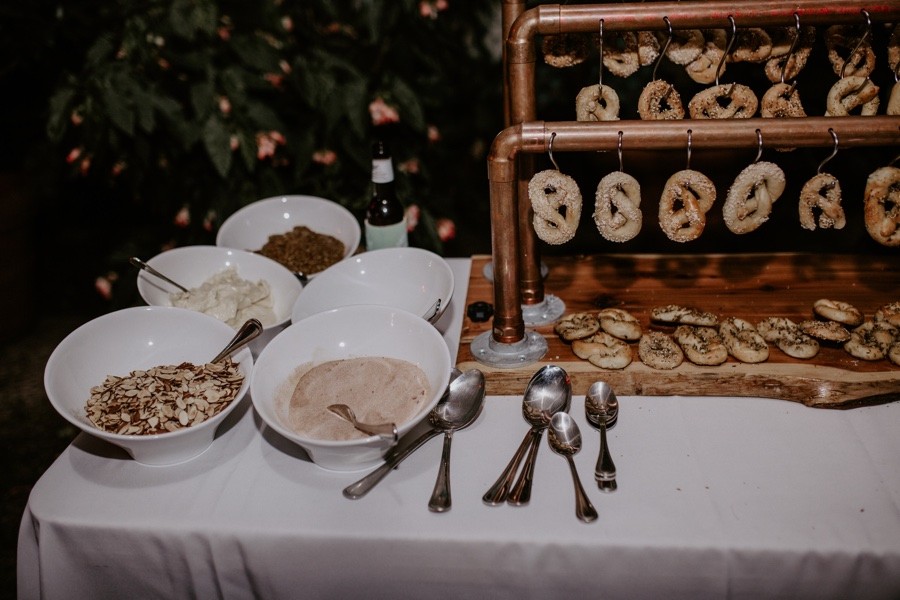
[(862, 39), (834, 152), (759, 146), (619, 149), (790, 53), (690, 135), (550, 151), (600, 45), (728, 47), (665, 47)]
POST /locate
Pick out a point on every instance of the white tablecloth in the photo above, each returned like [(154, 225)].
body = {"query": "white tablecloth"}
[(717, 498)]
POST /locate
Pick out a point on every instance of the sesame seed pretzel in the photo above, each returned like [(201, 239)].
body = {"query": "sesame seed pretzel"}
[(556, 201), (726, 101), (882, 206), (621, 60), (597, 103), (660, 101), (843, 39), (704, 68), (752, 44), (685, 45), (617, 212), (850, 93), (686, 198), (565, 49), (751, 196), (781, 101), (823, 191)]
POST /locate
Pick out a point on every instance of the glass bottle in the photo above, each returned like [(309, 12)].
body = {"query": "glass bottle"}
[(385, 223)]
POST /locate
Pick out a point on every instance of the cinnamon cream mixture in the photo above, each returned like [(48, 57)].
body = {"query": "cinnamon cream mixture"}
[(378, 389)]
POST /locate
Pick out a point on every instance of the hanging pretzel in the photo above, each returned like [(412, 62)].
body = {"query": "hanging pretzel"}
[(556, 202), (753, 45), (685, 200), (659, 100), (781, 100), (841, 40), (786, 66), (683, 46), (823, 193), (726, 101), (703, 69), (565, 49), (851, 93), (621, 61), (882, 206), (597, 102), (617, 212), (751, 196)]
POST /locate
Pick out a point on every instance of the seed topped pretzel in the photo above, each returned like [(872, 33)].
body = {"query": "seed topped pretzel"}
[(743, 341), (796, 61), (683, 315), (620, 323), (890, 313), (660, 101), (603, 350), (850, 93), (556, 201), (686, 198), (752, 44), (617, 212), (871, 340), (565, 49), (725, 101), (788, 336), (702, 345), (577, 326), (685, 45), (751, 196), (882, 206), (780, 101), (621, 56), (597, 103), (704, 68), (840, 40), (827, 331), (893, 105), (659, 351), (822, 192), (648, 48), (839, 311)]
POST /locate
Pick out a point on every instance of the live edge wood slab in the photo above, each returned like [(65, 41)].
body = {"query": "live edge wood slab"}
[(750, 286)]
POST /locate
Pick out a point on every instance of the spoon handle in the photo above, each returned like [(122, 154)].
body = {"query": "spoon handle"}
[(521, 491), (135, 261), (500, 490), (606, 468), (248, 332), (584, 510), (440, 497), (362, 487)]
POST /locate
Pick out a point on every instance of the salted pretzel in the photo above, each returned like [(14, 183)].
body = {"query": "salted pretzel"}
[(686, 198), (781, 101), (850, 93), (648, 48), (822, 192), (893, 49), (660, 101), (882, 206), (556, 201), (685, 45), (751, 44), (703, 69), (597, 103), (617, 212), (841, 40), (565, 49), (893, 105), (623, 60), (726, 101), (751, 196), (781, 42)]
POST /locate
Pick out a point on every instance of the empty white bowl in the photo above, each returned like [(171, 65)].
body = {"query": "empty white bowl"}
[(249, 227), (411, 279), (342, 333), (140, 338), (190, 266)]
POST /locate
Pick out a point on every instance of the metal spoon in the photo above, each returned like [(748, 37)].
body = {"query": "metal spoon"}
[(601, 407), (245, 334), (134, 260), (387, 431), (432, 313), (564, 438), (465, 393), (549, 391), (449, 417)]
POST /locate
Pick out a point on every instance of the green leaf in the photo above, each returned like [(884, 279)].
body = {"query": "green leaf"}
[(146, 117), (216, 140), (202, 99), (263, 117), (356, 108), (59, 112), (410, 108), (118, 108)]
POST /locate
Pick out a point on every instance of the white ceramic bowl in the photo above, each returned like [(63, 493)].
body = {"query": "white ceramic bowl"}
[(140, 338), (407, 278), (249, 227), (192, 265), (341, 333)]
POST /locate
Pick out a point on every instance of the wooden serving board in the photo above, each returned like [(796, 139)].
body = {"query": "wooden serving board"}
[(750, 286)]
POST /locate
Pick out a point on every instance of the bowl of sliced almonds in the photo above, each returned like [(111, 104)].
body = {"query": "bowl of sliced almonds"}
[(140, 379)]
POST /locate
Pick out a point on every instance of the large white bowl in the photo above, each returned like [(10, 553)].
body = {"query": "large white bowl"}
[(407, 278), (192, 265), (140, 338), (249, 228), (341, 333)]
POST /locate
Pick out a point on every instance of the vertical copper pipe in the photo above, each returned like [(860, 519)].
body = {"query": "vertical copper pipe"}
[(510, 11)]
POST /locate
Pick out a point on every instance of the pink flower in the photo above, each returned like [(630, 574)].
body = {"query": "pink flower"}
[(434, 134), (285, 66), (410, 166), (426, 10), (209, 220), (224, 33), (442, 5), (276, 79), (224, 105), (234, 142), (446, 229), (183, 217), (103, 287), (73, 154), (76, 118), (117, 168), (412, 213), (324, 157), (163, 64), (287, 23), (85, 165), (278, 137), (267, 142), (382, 113)]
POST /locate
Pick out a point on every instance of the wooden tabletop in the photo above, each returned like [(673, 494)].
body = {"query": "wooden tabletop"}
[(749, 286)]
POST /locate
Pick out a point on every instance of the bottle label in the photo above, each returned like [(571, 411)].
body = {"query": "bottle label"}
[(386, 236), (382, 170)]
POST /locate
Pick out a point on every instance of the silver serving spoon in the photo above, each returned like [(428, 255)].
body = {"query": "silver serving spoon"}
[(564, 438), (549, 391), (134, 260), (387, 431), (245, 334), (449, 417), (465, 392), (601, 408), (432, 313)]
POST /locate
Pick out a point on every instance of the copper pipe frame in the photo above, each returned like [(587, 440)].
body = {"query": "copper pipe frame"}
[(571, 136), (520, 27)]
